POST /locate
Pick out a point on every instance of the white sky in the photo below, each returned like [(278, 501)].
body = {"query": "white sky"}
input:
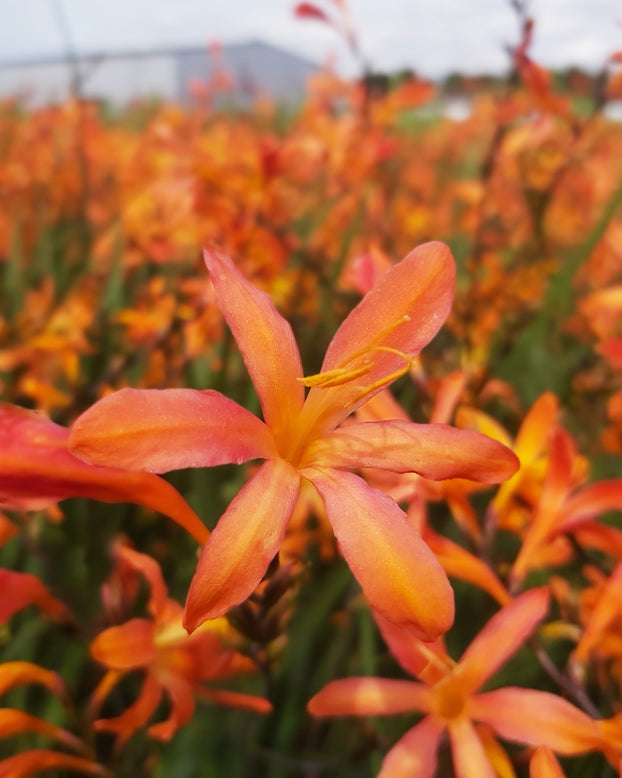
[(431, 36)]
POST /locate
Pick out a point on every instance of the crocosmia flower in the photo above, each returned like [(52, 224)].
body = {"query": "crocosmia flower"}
[(301, 437)]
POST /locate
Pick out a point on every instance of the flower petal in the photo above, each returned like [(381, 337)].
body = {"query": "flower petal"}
[(39, 759), (18, 673), (398, 573), (125, 646), (506, 631), (150, 569), (435, 451), (19, 590), (136, 715), (14, 722), (244, 542), (181, 697), (235, 699), (468, 754), (159, 430), (265, 340), (536, 718), (390, 325), (544, 764), (415, 753), (37, 470), (369, 697)]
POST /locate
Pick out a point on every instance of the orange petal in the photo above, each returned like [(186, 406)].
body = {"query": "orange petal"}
[(19, 673), (39, 759), (37, 470), (181, 696), (13, 722), (590, 502), (606, 610), (168, 429), (468, 754), (459, 563), (369, 697), (151, 570), (125, 646), (245, 541), (557, 485), (415, 753), (435, 451), (502, 636), (265, 340), (536, 718), (235, 699), (398, 573), (136, 716), (19, 590), (390, 325), (544, 764)]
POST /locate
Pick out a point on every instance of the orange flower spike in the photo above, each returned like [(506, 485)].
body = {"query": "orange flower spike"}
[(37, 470), (174, 662), (447, 694), (161, 430)]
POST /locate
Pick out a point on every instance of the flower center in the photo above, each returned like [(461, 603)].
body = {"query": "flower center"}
[(449, 698)]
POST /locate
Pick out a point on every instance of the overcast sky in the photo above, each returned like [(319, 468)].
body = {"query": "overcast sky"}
[(433, 37)]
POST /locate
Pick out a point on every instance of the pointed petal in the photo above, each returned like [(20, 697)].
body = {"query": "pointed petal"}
[(37, 470), (390, 325), (235, 699), (265, 340), (447, 395), (557, 485), (369, 697), (435, 451), (125, 646), (468, 755), (601, 617), (544, 764), (136, 716), (19, 673), (159, 430), (19, 590), (13, 722), (181, 696), (459, 563), (245, 540), (427, 661), (150, 569), (590, 502), (415, 753), (398, 573), (39, 759), (506, 631), (536, 718)]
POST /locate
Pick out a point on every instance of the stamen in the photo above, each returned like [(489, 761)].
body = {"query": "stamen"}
[(343, 375), (335, 377)]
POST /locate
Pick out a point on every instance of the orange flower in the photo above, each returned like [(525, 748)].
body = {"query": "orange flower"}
[(160, 430), (447, 694), (172, 661)]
